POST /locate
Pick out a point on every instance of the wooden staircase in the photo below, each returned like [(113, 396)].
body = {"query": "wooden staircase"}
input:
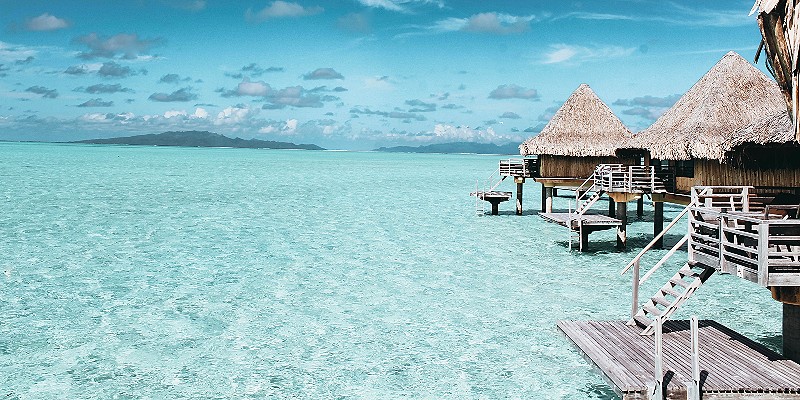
[(672, 295), (589, 202)]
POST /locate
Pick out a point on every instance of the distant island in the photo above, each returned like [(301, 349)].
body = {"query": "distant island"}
[(199, 139), (456, 147)]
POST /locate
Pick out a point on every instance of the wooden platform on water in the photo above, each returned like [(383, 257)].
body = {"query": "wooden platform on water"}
[(732, 366), (593, 222), (492, 196)]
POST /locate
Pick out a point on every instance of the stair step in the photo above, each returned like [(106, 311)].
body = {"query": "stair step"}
[(642, 321), (689, 273), (652, 310), (662, 300), (680, 282), (670, 292)]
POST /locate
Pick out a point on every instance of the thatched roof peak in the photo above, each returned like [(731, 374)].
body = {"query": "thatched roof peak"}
[(584, 126), (701, 125)]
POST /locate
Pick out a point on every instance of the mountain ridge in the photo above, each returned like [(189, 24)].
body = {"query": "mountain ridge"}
[(198, 139)]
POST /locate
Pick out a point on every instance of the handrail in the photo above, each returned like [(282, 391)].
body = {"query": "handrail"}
[(492, 187), (664, 259), (655, 239)]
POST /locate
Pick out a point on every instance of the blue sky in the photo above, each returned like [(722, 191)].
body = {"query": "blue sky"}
[(349, 74)]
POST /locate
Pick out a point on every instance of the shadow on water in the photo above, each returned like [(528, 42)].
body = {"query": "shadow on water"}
[(602, 392), (609, 245), (772, 342)]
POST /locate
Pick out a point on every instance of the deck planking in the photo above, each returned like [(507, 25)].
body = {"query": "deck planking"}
[(733, 366), (592, 221)]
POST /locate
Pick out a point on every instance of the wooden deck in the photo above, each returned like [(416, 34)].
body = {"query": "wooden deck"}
[(492, 196), (593, 222), (733, 366)]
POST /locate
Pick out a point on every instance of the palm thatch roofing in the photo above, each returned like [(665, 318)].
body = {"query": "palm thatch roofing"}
[(584, 126), (731, 104), (775, 128)]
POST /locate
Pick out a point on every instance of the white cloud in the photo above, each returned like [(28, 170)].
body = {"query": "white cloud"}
[(389, 5), (200, 112), (174, 113), (564, 53), (258, 88), (290, 127), (46, 22), (12, 52), (234, 115), (378, 83), (282, 9), (128, 46), (490, 22), (399, 5)]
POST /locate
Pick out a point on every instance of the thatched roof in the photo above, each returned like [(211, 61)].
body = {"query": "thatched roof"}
[(705, 122), (583, 127), (774, 128)]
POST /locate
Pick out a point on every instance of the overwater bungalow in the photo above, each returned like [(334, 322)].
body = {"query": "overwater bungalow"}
[(731, 128), (582, 134)]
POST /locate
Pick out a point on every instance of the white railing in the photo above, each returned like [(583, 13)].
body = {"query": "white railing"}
[(724, 234), (628, 179), (519, 167), (656, 388)]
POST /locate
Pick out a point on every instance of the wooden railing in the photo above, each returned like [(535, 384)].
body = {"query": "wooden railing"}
[(727, 232), (756, 246), (520, 167), (628, 179)]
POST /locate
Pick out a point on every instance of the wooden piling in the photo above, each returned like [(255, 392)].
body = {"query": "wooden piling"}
[(611, 207), (791, 332), (548, 205), (658, 223), (544, 199), (622, 215), (640, 207), (584, 240), (519, 182)]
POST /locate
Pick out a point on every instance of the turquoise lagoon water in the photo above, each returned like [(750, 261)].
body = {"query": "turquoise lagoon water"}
[(143, 272)]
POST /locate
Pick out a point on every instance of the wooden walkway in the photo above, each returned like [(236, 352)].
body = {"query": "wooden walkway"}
[(594, 222), (732, 366)]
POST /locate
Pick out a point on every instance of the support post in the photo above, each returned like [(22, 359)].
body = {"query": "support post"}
[(657, 388), (791, 331), (584, 240), (519, 182), (548, 193), (693, 386), (635, 300), (658, 223), (640, 207), (611, 207), (544, 199), (555, 192), (622, 215), (495, 208)]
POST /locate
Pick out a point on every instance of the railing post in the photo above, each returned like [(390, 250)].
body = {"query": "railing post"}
[(635, 300), (656, 389), (763, 254), (746, 199), (693, 387), (690, 243), (652, 179), (721, 250)]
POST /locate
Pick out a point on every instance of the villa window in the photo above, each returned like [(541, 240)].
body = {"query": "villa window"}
[(684, 169)]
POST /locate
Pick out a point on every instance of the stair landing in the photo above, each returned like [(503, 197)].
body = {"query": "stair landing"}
[(594, 222), (732, 366)]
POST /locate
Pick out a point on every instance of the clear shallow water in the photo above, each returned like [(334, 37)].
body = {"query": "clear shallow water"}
[(140, 272)]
